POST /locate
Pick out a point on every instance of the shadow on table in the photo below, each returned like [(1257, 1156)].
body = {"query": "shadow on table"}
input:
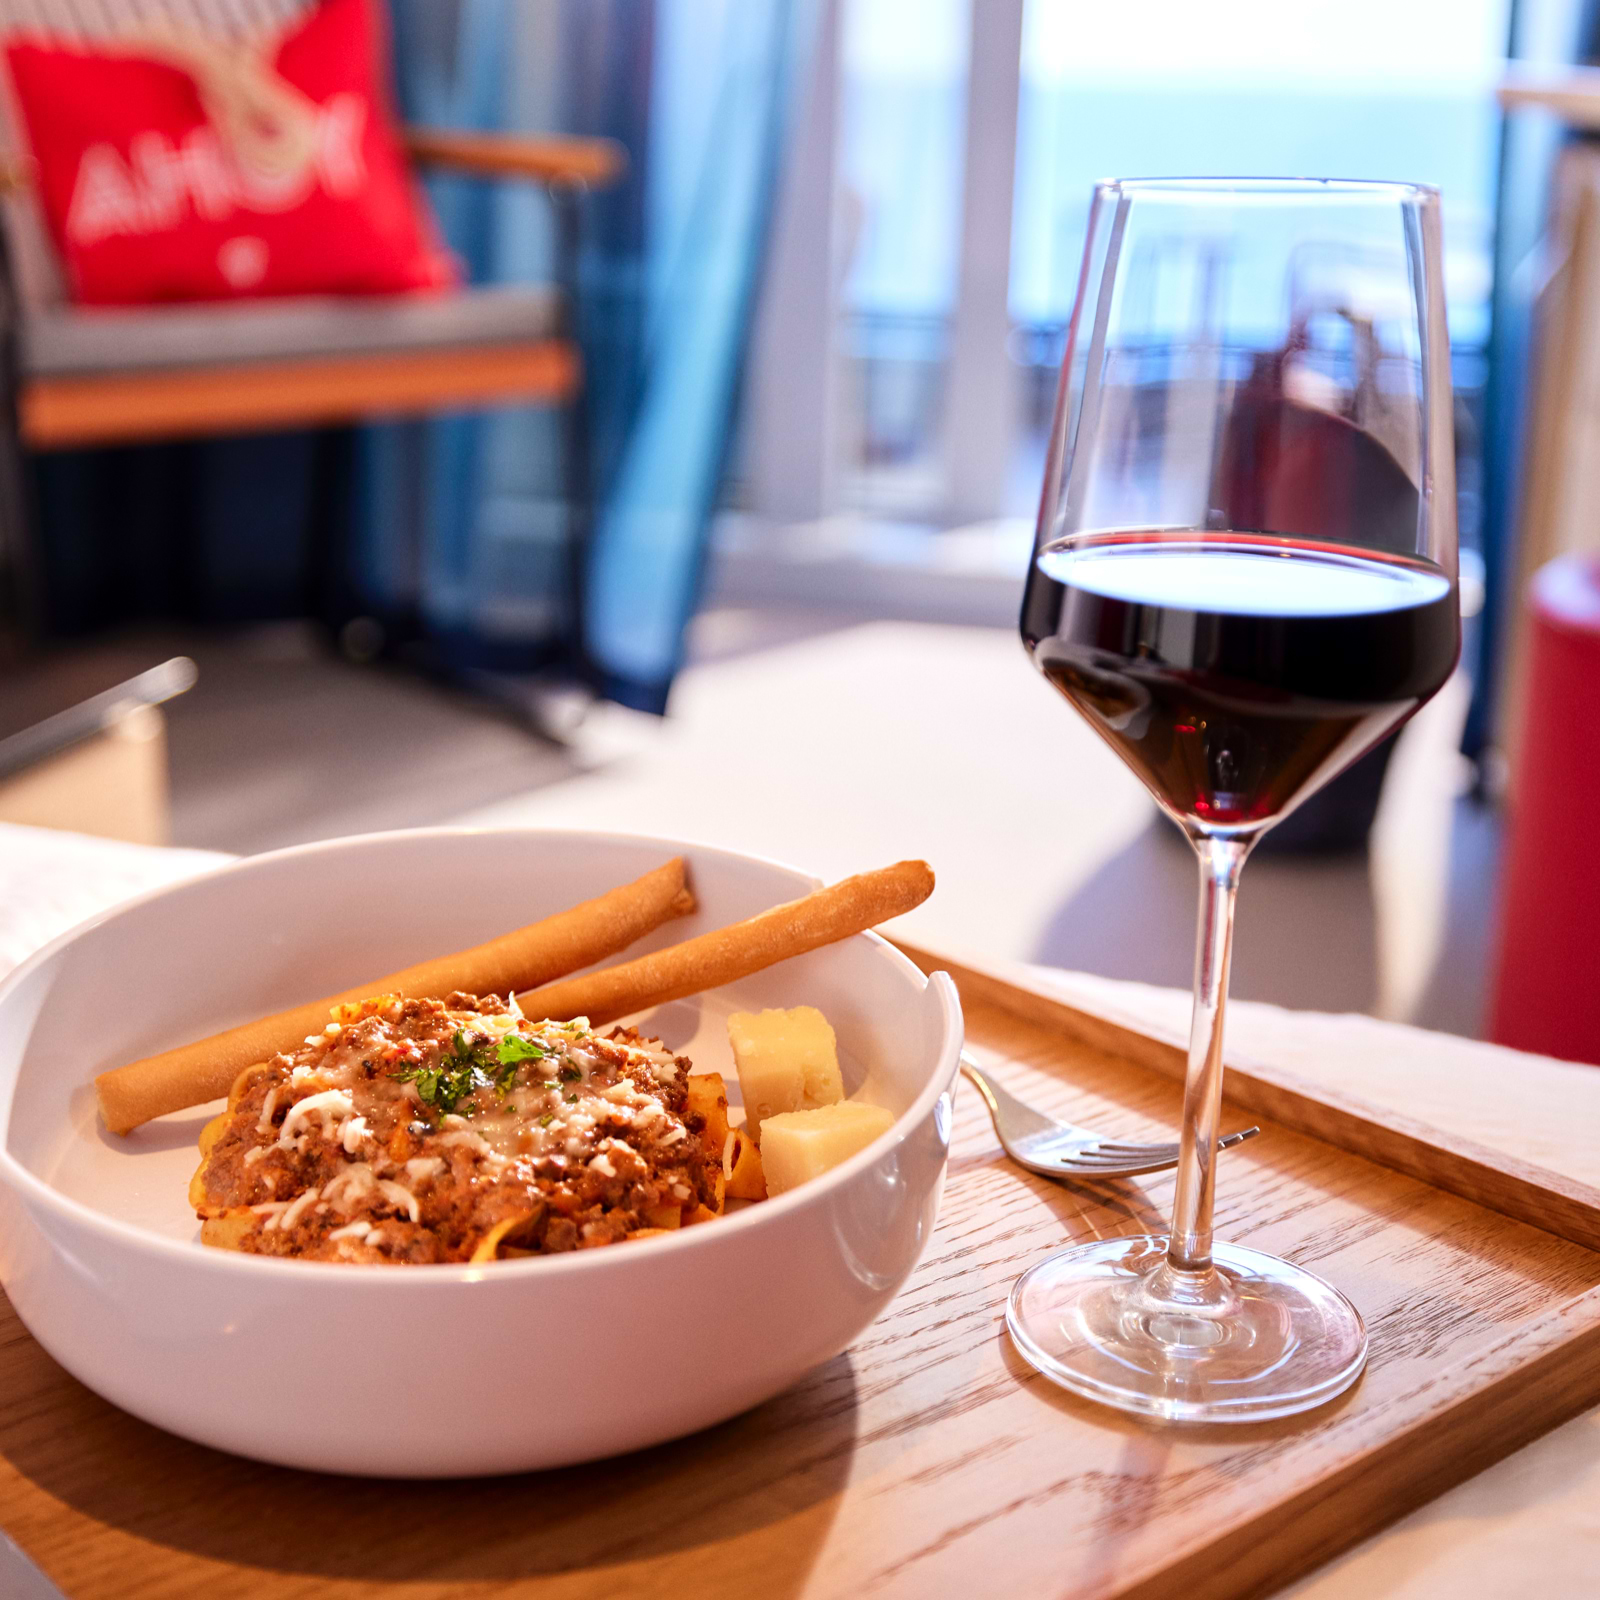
[(275, 713), (1305, 934), (784, 1461), (1155, 1471)]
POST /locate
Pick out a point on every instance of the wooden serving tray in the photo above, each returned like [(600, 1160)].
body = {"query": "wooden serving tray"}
[(929, 1460)]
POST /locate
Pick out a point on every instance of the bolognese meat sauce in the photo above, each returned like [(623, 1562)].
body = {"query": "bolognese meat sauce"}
[(428, 1131)]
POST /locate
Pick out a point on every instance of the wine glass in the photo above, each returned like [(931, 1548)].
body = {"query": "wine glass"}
[(1244, 578)]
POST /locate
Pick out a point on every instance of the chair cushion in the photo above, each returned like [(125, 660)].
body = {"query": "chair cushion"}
[(173, 167), (60, 340)]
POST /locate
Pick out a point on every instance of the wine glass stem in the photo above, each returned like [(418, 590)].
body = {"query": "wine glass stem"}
[(1189, 1249)]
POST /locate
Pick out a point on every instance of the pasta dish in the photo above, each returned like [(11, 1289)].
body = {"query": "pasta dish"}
[(420, 1130)]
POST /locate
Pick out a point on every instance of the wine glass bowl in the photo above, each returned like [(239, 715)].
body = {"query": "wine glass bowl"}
[(1237, 673), (1243, 579)]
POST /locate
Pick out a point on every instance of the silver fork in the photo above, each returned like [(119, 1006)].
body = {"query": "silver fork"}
[(1063, 1149)]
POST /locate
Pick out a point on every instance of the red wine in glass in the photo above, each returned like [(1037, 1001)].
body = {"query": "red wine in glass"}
[(1243, 580), (1237, 673)]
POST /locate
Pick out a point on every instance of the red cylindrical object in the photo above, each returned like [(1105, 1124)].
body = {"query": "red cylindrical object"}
[(1547, 971)]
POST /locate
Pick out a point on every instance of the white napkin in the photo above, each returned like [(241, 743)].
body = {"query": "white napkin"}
[(51, 880)]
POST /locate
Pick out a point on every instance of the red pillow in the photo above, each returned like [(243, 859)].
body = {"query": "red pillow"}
[(192, 182)]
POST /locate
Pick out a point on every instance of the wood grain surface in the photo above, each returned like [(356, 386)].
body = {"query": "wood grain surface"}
[(927, 1460), (1493, 1178), (72, 411), (1571, 93), (543, 158)]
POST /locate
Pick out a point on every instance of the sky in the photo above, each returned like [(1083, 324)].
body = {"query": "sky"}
[(1349, 88), (1452, 40)]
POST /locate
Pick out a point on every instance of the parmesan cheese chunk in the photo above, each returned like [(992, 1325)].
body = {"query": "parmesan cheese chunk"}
[(786, 1060), (797, 1145)]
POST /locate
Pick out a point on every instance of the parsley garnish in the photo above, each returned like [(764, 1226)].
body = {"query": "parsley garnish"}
[(458, 1074), (547, 1119), (467, 1068), (513, 1047), (511, 1052), (570, 1074)]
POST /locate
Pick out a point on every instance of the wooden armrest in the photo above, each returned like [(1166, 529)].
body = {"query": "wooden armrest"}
[(16, 174), (1572, 93), (546, 158)]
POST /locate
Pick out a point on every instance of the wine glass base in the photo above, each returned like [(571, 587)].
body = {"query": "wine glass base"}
[(1259, 1338)]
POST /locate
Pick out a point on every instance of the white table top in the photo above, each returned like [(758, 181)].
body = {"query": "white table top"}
[(1534, 1519), (889, 740)]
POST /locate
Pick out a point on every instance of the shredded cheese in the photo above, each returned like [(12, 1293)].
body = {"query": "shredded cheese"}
[(295, 1209), (351, 1186), (331, 1107), (398, 1195), (268, 1106)]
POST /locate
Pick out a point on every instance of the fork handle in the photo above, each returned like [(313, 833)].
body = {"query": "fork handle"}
[(1001, 1103), (969, 1068), (1024, 1118)]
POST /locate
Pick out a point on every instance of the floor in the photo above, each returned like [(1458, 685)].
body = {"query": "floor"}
[(281, 742), (841, 745)]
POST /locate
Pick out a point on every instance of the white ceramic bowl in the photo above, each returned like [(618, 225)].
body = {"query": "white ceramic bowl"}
[(426, 1371)]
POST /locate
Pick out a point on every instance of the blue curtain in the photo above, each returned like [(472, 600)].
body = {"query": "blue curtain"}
[(515, 542)]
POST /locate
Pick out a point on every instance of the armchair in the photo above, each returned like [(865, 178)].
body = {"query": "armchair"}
[(76, 376), (120, 375)]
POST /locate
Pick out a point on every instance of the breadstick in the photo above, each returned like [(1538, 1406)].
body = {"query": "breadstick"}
[(543, 950), (738, 950)]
